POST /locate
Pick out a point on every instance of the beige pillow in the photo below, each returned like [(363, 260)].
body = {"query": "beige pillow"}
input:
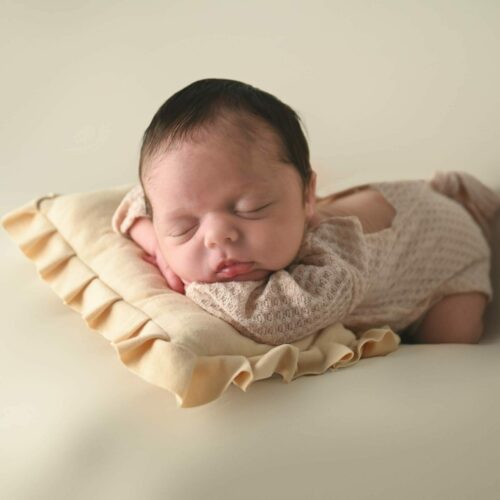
[(161, 335)]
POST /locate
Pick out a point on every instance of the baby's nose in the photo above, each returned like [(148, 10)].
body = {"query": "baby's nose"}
[(220, 232)]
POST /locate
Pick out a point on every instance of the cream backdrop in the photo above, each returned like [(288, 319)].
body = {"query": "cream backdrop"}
[(387, 90)]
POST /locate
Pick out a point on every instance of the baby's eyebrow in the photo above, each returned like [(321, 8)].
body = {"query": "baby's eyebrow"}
[(178, 212), (177, 216)]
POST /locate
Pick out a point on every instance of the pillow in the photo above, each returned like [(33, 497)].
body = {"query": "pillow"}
[(161, 335)]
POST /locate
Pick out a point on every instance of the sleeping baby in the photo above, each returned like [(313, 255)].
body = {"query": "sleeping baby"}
[(226, 209)]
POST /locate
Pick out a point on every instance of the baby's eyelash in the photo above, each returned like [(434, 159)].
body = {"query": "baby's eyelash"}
[(181, 234), (254, 210), (238, 212)]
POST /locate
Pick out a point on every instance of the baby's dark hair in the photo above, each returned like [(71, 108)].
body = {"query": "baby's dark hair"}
[(197, 106)]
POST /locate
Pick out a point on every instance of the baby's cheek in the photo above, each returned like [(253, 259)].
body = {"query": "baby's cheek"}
[(171, 258), (282, 245), (185, 262)]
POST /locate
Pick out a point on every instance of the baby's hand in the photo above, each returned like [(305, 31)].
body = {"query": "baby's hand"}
[(142, 232), (173, 281)]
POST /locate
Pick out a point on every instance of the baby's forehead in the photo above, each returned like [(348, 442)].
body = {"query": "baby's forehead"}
[(250, 136), (244, 129), (246, 147)]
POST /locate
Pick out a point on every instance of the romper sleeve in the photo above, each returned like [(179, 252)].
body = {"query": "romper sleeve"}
[(130, 208), (322, 286)]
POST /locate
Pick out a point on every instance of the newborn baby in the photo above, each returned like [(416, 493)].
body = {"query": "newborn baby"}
[(227, 210)]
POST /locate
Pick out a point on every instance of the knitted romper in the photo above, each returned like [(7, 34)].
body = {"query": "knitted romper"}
[(437, 245)]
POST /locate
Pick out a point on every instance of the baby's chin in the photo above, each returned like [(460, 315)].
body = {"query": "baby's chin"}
[(255, 275)]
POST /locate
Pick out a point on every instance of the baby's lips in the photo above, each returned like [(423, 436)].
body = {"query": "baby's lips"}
[(236, 269)]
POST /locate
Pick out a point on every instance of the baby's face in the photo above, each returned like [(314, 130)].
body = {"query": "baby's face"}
[(222, 200)]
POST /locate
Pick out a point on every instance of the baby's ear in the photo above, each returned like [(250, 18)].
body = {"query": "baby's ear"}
[(310, 196)]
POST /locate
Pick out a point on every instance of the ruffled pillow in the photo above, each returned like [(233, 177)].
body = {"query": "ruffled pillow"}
[(161, 335)]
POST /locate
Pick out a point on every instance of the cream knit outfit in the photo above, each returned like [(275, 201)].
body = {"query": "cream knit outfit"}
[(437, 245)]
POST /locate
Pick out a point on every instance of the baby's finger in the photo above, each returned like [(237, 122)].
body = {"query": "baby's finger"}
[(174, 282), (149, 258)]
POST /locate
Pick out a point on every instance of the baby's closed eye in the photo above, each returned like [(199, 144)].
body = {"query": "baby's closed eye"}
[(180, 232), (250, 213), (254, 210)]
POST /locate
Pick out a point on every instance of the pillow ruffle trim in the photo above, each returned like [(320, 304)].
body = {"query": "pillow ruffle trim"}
[(146, 349)]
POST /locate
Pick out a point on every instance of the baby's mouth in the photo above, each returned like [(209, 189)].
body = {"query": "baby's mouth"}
[(232, 269)]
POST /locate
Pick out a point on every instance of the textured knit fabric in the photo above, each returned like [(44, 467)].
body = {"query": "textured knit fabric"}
[(437, 245)]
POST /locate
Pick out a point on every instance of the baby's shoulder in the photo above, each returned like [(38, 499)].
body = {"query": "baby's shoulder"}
[(333, 238)]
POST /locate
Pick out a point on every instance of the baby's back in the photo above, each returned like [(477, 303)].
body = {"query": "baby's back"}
[(371, 208), (423, 245)]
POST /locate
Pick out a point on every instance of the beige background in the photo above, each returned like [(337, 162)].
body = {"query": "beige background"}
[(388, 89)]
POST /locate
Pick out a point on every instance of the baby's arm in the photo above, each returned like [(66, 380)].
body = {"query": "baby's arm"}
[(131, 220), (322, 289), (142, 232)]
